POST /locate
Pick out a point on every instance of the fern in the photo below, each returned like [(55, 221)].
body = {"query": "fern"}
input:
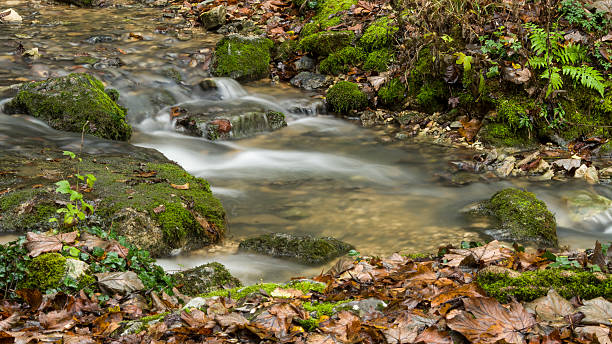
[(570, 54), (556, 81), (538, 62), (587, 76)]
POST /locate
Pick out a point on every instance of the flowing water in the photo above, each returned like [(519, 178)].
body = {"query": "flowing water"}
[(320, 175)]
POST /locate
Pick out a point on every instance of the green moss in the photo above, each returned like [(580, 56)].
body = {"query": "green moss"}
[(511, 110), (378, 60), (86, 281), (392, 93), (151, 318), (327, 15), (378, 35), (533, 284), (525, 218), (45, 272), (346, 96), (285, 50), (112, 93), (68, 102), (421, 71), (322, 308), (241, 292), (242, 58), (433, 96), (325, 43), (29, 209), (341, 61), (586, 114), (501, 135), (276, 119)]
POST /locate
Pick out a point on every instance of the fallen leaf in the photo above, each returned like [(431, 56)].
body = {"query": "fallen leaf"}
[(57, 320), (345, 328), (180, 187), (602, 334), (551, 308), (433, 336), (159, 209), (597, 311), (38, 244)]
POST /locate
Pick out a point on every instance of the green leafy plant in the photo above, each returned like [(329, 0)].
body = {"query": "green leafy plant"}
[(77, 209), (13, 263), (575, 13), (558, 58)]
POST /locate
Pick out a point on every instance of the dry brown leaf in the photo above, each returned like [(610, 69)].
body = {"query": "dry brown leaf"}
[(180, 187), (466, 290), (57, 320), (345, 328), (552, 309), (433, 336), (38, 244), (597, 311)]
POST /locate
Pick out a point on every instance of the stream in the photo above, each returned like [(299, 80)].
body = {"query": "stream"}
[(320, 175)]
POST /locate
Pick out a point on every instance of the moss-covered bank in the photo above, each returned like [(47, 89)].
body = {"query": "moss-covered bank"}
[(244, 58)]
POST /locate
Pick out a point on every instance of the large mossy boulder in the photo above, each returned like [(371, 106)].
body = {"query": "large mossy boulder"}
[(204, 279), (521, 218), (304, 249), (345, 97), (68, 103), (244, 58), (139, 194)]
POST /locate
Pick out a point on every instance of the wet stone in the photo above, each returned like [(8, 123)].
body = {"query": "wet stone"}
[(310, 81)]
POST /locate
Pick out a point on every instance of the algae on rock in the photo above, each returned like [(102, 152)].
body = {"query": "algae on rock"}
[(244, 58), (305, 249), (522, 218), (67, 103)]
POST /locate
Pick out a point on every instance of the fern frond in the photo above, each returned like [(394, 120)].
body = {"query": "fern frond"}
[(556, 81), (587, 76), (570, 54), (538, 62)]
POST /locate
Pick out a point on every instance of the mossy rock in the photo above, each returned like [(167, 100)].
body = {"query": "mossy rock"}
[(68, 102), (325, 43), (433, 96), (341, 61), (378, 60), (530, 285), (244, 58), (168, 208), (392, 93), (522, 218), (230, 124), (346, 96), (378, 35), (205, 278), (305, 249), (327, 15), (502, 135), (45, 272)]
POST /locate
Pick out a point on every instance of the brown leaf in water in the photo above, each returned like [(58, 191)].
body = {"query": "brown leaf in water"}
[(225, 126), (38, 244), (180, 187)]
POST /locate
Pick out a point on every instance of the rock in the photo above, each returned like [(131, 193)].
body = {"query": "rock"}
[(310, 81), (583, 205), (456, 125), (548, 175), (305, 63), (591, 175), (68, 102), (45, 272), (214, 18), (224, 124), (208, 84), (567, 164), (10, 16), (362, 308), (506, 167), (606, 172), (580, 173), (75, 268), (99, 39), (133, 195), (244, 58), (205, 278), (196, 302), (119, 282), (82, 3), (521, 218), (305, 249), (140, 230)]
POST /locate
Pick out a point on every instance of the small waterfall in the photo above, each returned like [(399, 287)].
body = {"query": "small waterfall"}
[(229, 88)]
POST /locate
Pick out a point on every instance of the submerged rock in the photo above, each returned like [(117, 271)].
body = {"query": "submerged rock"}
[(205, 278), (225, 124), (521, 218), (68, 103), (244, 58), (305, 249), (583, 205), (142, 195)]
